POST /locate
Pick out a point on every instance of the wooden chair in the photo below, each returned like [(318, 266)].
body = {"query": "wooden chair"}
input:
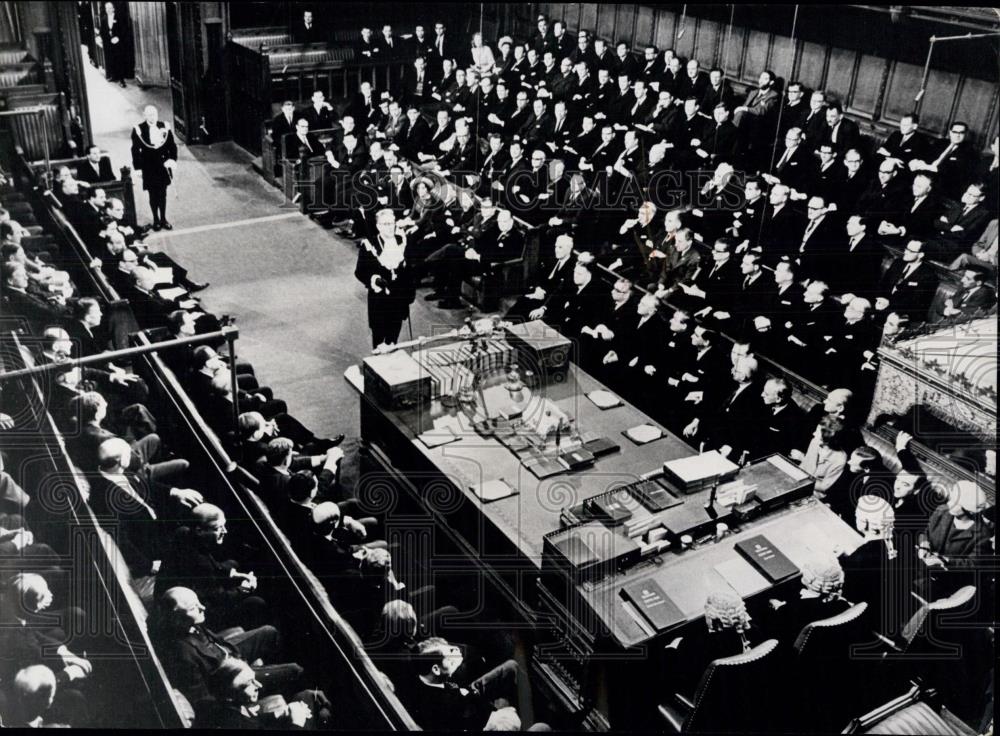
[(833, 680), (736, 694), (485, 290)]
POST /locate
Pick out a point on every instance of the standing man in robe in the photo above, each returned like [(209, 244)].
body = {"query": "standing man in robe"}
[(154, 153), (383, 269)]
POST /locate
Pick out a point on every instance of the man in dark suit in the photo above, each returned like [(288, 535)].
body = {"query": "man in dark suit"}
[(415, 134), (783, 422), (580, 303), (363, 106), (641, 104), (283, 124), (885, 196), (961, 225), (88, 219), (795, 109), (664, 120), (305, 30), (420, 45), (826, 175), (538, 130), (320, 113), (714, 285), (908, 285), (390, 45), (812, 326), (841, 133), (792, 167), (462, 158), (783, 227), (720, 138), (751, 291), (96, 168), (492, 166), (444, 47), (627, 65), (299, 147), (133, 503), (856, 267), (973, 297), (554, 273), (191, 652), (695, 81), (541, 39), (718, 90), (20, 303), (918, 216), (367, 48), (853, 182), (439, 134), (681, 263), (907, 143), (417, 83), (784, 300), (729, 419), (821, 238), (954, 162), (747, 222)]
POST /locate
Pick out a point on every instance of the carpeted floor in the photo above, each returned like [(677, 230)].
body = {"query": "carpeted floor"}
[(290, 283)]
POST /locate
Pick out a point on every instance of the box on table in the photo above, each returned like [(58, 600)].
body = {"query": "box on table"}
[(692, 474), (395, 380), (540, 348), (589, 551)]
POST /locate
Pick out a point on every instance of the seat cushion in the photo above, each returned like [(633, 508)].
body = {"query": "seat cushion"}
[(920, 719)]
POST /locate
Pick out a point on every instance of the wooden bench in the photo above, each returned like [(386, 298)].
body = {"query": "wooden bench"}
[(42, 131), (260, 77)]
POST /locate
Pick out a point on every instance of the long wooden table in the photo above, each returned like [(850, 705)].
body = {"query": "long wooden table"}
[(590, 652)]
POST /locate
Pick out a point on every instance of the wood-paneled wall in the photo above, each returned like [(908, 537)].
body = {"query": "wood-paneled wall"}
[(875, 89), (149, 30)]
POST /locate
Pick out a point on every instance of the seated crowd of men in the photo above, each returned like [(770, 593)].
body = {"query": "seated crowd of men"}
[(757, 226), (753, 213), (170, 537)]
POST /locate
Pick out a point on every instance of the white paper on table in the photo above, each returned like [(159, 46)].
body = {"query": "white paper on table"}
[(792, 471), (741, 576), (604, 399), (644, 433)]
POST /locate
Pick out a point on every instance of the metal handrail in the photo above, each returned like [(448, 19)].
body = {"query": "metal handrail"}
[(225, 333)]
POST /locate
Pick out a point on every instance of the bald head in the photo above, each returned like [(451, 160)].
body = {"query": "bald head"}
[(205, 513), (113, 453), (35, 688)]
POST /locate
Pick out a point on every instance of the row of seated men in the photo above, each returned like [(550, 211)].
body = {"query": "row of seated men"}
[(169, 537), (45, 675)]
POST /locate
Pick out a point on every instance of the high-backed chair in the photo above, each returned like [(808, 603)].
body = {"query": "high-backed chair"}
[(824, 638), (486, 290), (833, 682), (736, 694), (951, 649)]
